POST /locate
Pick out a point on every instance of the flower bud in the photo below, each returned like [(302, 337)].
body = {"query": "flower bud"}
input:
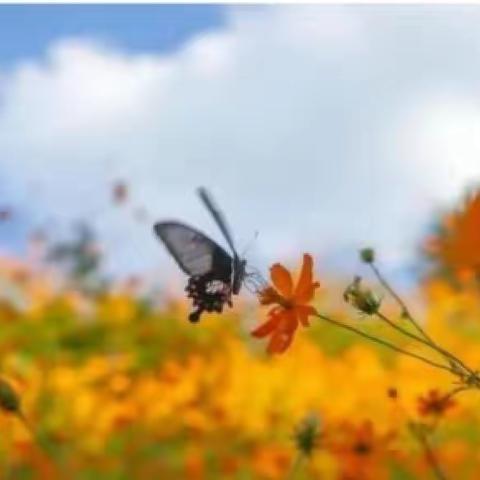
[(367, 255), (363, 299)]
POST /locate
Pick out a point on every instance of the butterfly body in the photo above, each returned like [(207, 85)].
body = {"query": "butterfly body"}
[(214, 274)]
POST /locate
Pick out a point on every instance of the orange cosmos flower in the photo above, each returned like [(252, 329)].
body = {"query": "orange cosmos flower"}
[(290, 305), (362, 452), (458, 245), (435, 404)]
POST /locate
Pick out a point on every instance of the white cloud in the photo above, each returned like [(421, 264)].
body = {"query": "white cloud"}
[(444, 136), (314, 125)]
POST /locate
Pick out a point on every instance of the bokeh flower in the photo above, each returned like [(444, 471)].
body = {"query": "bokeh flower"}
[(434, 404), (361, 451), (120, 192), (457, 245), (290, 305), (392, 393), (143, 400)]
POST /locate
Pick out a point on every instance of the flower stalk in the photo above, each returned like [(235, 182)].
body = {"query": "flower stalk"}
[(422, 437), (290, 307), (383, 342), (467, 375)]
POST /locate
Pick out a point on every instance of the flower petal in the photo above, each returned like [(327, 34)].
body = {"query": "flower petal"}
[(305, 289), (303, 312), (280, 341), (307, 295), (283, 335), (282, 280), (269, 326)]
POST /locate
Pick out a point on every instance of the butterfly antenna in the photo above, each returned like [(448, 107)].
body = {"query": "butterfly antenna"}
[(217, 215), (254, 280), (250, 243)]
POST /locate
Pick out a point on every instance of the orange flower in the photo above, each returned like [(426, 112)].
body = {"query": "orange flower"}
[(290, 305), (458, 245), (434, 404), (361, 451)]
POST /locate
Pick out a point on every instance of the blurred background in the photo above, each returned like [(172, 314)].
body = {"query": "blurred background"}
[(323, 129)]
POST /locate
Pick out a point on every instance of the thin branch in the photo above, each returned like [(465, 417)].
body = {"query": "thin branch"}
[(426, 340), (432, 459), (383, 342), (42, 448), (295, 466), (429, 453), (456, 391), (437, 348), (402, 330), (405, 311)]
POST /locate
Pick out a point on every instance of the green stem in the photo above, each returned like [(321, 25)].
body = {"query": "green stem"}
[(383, 342), (402, 330), (456, 391), (295, 466), (405, 311), (426, 340), (49, 455), (446, 354), (429, 453)]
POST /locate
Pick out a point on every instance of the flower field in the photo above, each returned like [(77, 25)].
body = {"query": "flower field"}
[(117, 384)]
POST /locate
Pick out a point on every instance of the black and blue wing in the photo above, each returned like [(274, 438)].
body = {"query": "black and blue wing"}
[(208, 265), (217, 216), (195, 253), (238, 263), (214, 274)]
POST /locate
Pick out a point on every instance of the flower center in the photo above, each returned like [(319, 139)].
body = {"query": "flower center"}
[(362, 448), (286, 303)]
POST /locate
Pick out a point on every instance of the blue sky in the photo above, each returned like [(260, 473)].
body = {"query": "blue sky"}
[(27, 30), (325, 128)]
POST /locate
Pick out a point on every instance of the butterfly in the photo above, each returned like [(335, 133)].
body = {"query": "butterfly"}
[(214, 274)]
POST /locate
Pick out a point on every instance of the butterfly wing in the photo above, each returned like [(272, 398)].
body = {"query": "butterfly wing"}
[(217, 215), (238, 263), (208, 265), (194, 252)]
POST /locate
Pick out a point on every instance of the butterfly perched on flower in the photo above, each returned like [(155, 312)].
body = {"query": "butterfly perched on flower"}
[(214, 274)]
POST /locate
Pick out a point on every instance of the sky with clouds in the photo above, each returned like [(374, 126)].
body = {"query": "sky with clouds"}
[(324, 128)]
